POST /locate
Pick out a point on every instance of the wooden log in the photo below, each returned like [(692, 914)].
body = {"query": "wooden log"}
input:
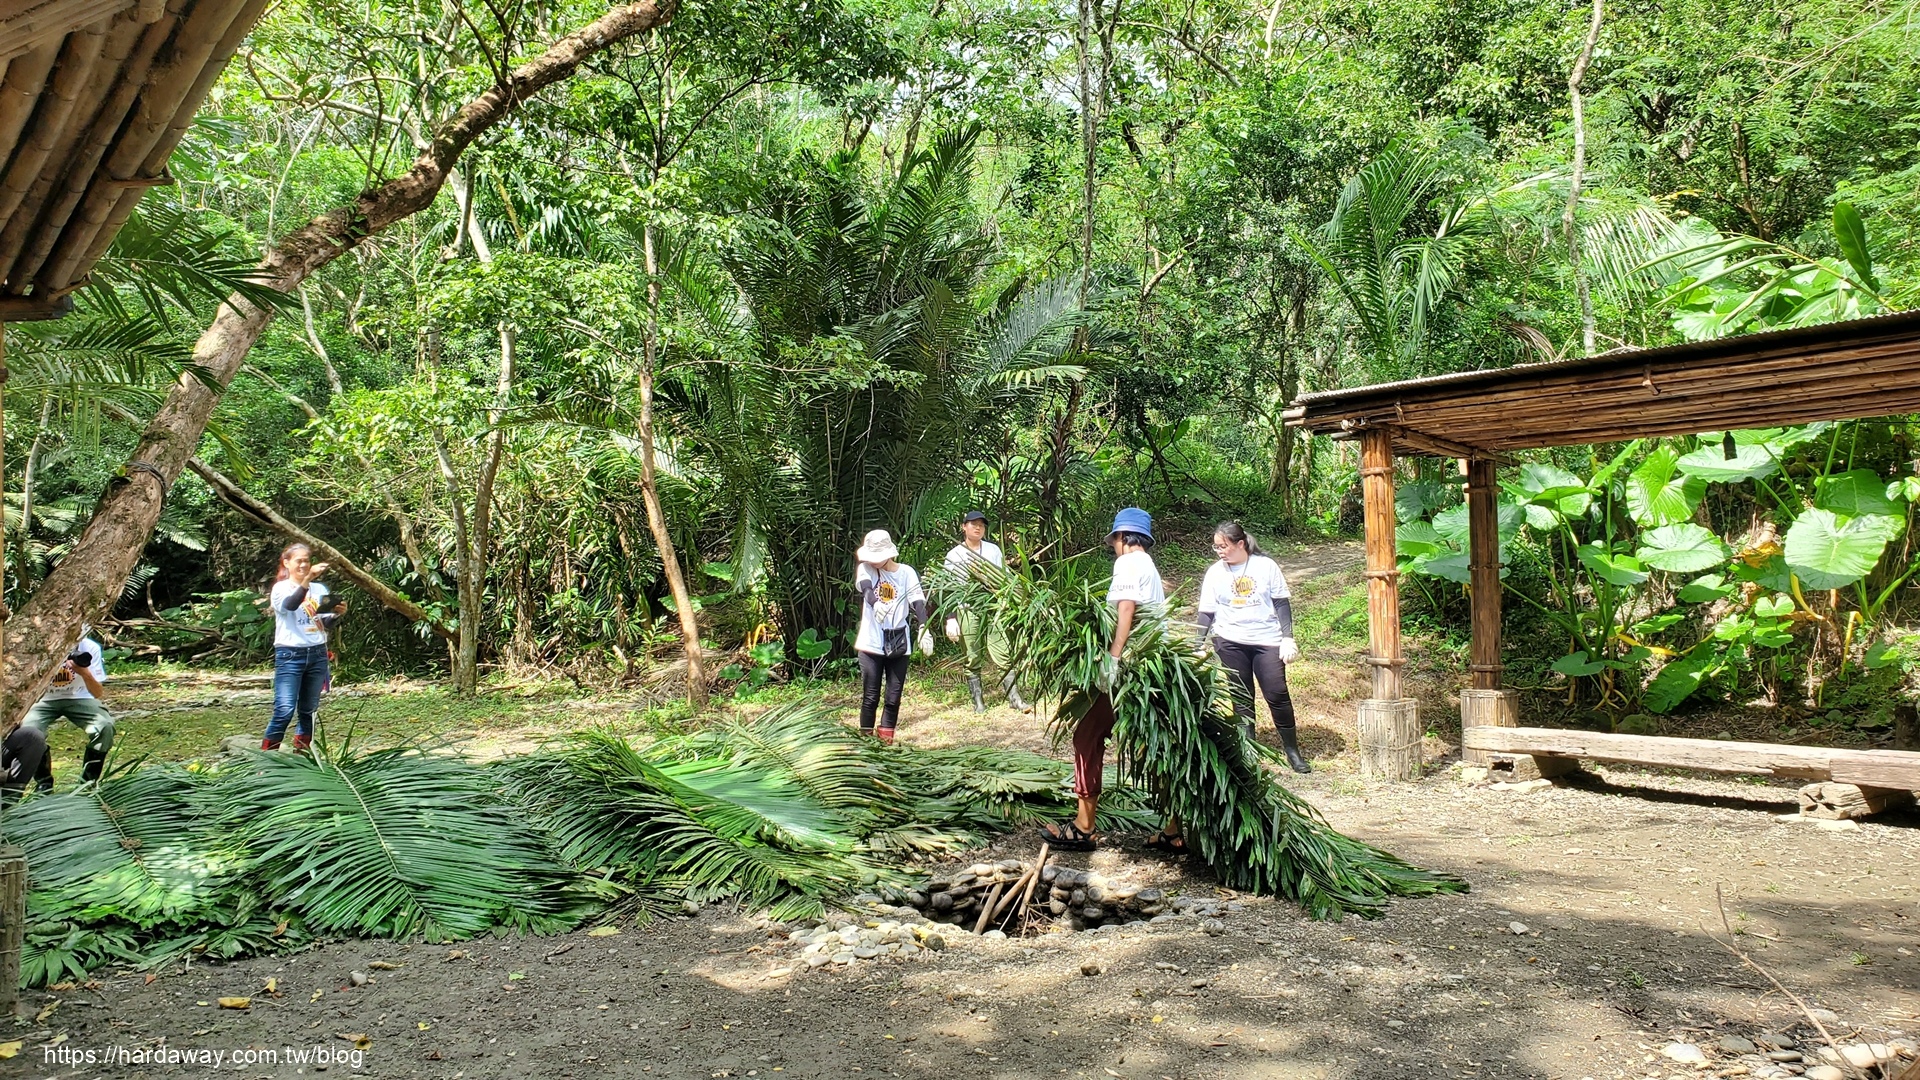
[(1383, 575), (1877, 768), (1834, 801), (13, 924), (1486, 708), (1039, 867), (1022, 884), (1866, 768), (1483, 547), (1390, 739)]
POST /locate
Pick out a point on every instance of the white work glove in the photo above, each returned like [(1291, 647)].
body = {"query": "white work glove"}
[(926, 642), (953, 630), (1289, 652), (1108, 677)]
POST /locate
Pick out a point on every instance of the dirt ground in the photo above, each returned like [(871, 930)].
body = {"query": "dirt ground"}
[(1586, 948)]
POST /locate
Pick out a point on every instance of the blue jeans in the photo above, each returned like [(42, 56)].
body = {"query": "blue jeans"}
[(298, 674)]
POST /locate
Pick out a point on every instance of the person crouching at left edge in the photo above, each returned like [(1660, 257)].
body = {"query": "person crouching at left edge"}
[(301, 619), (893, 611), (74, 696)]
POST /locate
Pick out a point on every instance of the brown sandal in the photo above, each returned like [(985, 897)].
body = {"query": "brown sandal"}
[(1068, 836)]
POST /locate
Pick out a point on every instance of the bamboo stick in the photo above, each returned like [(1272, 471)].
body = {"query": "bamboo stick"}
[(986, 906), (77, 150), (50, 118), (26, 75), (209, 29), (130, 76)]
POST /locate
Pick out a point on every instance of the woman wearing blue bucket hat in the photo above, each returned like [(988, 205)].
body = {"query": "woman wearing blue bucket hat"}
[(1136, 584)]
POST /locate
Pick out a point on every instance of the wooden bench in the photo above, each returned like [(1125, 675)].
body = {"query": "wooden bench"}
[(1885, 778)]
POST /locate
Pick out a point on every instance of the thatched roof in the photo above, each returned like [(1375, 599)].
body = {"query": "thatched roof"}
[(96, 94), (1837, 371)]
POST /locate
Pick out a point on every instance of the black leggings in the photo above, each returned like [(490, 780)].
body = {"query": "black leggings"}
[(1243, 664), (872, 670)]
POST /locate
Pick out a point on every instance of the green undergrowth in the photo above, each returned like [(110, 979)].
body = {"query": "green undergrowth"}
[(265, 852)]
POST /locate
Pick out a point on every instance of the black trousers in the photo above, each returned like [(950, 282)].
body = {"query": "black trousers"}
[(1244, 664), (22, 756), (873, 670)]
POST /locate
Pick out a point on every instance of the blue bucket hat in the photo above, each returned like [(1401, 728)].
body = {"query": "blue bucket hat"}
[(1133, 520)]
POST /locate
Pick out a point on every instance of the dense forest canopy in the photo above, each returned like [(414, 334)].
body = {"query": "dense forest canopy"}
[(684, 326)]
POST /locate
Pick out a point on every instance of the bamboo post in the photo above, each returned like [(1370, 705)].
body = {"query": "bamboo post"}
[(1484, 702), (1389, 732)]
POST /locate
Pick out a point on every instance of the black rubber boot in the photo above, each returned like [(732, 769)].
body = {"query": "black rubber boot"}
[(973, 688), (1290, 742), (92, 764), (1013, 695)]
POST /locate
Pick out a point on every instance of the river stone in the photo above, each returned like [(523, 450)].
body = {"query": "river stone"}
[(843, 958), (1095, 893), (1057, 907), (1734, 1044), (867, 952), (1784, 1055), (1078, 897), (819, 960), (941, 901), (1686, 1053), (935, 942), (1213, 927), (1825, 1072)]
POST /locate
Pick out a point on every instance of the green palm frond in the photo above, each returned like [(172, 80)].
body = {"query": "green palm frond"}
[(136, 846), (392, 843)]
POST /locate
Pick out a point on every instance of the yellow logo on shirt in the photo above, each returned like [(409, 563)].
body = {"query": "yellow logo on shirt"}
[(1242, 589), (886, 592)]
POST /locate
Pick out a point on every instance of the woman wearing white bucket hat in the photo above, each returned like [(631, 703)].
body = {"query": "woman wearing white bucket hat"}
[(893, 610)]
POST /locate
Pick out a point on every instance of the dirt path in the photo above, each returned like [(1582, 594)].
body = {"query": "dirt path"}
[(1583, 951)]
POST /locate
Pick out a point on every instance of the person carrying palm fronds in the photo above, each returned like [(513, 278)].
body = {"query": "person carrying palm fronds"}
[(1134, 587), (1117, 670), (966, 626)]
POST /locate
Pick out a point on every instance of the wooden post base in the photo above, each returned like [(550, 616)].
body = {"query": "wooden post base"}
[(13, 924), (1519, 768), (1835, 802), (1390, 737), (1489, 708)]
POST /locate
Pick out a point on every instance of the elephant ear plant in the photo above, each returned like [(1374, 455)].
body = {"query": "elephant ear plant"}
[(1176, 739)]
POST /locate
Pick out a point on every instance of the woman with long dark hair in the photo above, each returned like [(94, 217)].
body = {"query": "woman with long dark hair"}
[(1244, 604), (301, 619)]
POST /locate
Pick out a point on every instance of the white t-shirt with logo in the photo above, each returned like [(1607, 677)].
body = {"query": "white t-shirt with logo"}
[(297, 628), (1241, 600), (894, 592), (1135, 578), (75, 687), (962, 557)]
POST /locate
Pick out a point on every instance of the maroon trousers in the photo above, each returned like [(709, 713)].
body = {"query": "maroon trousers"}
[(1090, 747)]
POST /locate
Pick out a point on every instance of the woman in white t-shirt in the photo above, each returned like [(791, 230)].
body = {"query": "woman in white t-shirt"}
[(1244, 604), (893, 607), (301, 618), (1135, 587)]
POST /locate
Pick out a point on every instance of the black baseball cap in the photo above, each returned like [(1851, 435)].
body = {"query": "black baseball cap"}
[(973, 515)]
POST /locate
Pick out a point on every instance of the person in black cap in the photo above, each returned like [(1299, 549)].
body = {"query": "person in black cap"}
[(967, 626)]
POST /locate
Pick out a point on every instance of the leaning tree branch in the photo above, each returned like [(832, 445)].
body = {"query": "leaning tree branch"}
[(86, 583), (263, 514)]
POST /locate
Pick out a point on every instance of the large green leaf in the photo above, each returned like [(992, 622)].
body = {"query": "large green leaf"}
[(1851, 234), (1550, 488), (1828, 551), (1750, 461), (1614, 569), (1702, 590), (1680, 678), (1855, 493), (1420, 538), (1659, 494), (1450, 566), (1682, 549)]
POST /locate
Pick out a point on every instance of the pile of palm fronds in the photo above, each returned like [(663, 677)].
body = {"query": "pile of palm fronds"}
[(269, 851), (1175, 737)]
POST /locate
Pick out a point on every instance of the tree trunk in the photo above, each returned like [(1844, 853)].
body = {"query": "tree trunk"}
[(1587, 329), (86, 583), (650, 490)]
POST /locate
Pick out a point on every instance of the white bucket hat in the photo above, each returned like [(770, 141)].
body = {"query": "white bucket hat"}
[(877, 549)]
